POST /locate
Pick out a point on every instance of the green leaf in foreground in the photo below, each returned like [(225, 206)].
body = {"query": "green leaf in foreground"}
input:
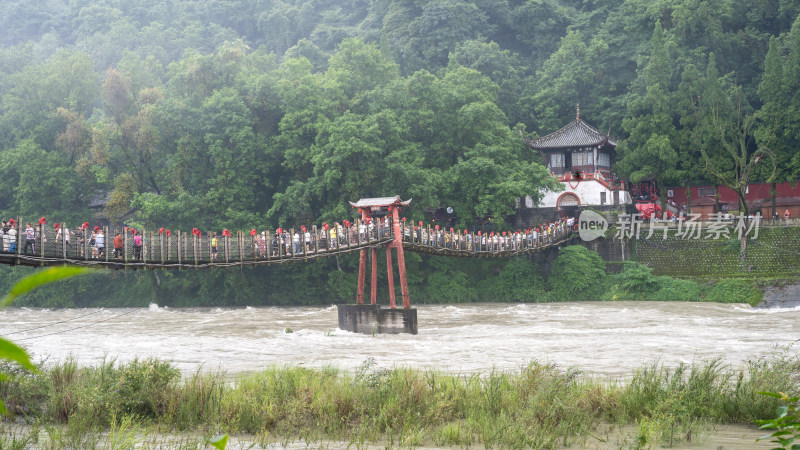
[(10, 351), (220, 441), (40, 278)]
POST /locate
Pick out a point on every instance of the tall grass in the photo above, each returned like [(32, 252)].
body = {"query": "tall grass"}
[(537, 406)]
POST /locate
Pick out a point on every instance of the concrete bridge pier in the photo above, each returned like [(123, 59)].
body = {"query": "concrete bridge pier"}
[(372, 319)]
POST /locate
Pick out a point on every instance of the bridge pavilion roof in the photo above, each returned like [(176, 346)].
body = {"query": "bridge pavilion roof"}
[(379, 201), (575, 134)]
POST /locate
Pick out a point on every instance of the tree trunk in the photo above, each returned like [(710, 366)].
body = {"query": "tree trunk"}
[(688, 197), (773, 193), (745, 211)]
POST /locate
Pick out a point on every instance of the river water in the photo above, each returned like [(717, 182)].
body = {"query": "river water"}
[(604, 339)]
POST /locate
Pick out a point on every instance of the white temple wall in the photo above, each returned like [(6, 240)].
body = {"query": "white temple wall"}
[(588, 192)]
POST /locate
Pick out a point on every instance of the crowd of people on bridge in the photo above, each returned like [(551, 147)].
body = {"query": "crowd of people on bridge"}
[(86, 243)]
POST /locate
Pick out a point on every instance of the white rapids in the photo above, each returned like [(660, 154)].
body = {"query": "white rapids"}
[(606, 339)]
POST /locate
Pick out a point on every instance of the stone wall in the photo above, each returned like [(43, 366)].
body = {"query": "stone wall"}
[(774, 253)]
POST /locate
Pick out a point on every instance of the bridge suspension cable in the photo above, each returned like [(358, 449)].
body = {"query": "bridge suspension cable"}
[(53, 323), (79, 327)]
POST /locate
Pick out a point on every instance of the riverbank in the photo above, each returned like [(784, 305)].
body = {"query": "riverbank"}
[(539, 405)]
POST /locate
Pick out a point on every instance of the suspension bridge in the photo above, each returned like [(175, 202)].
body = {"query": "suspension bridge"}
[(379, 226)]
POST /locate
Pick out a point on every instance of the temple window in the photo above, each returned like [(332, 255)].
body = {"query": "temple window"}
[(582, 159), (556, 160)]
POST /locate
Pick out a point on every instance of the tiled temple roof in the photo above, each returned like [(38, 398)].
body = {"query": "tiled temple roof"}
[(576, 134)]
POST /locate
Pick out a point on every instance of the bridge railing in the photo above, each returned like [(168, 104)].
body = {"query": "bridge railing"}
[(122, 247), (426, 239)]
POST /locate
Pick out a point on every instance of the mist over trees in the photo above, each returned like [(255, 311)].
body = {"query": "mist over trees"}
[(258, 113)]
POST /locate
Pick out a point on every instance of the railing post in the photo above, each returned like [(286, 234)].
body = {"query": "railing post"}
[(178, 245), (63, 242), (194, 248), (241, 246), (315, 235), (18, 229), (161, 246), (42, 238), (105, 242)]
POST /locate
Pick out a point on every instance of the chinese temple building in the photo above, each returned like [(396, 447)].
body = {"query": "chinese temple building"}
[(580, 157)]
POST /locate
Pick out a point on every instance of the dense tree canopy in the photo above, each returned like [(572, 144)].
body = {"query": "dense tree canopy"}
[(255, 113)]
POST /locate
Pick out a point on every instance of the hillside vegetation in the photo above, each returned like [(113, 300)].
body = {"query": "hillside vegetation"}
[(245, 114)]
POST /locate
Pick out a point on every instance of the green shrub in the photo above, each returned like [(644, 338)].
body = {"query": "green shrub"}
[(734, 291), (577, 274), (518, 281)]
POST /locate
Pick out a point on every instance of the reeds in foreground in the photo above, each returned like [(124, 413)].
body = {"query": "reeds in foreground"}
[(122, 405)]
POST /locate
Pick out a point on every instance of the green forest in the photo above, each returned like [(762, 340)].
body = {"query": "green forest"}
[(245, 114)]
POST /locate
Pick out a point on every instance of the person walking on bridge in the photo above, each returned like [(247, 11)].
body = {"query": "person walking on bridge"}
[(119, 244), (137, 246), (100, 242), (30, 239)]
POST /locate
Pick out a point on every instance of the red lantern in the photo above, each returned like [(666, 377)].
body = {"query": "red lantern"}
[(12, 221), (479, 232), (161, 230), (226, 233), (420, 223), (169, 233), (325, 225), (253, 232), (56, 225), (42, 221), (390, 209), (303, 227), (132, 230), (437, 227), (403, 219), (451, 229), (195, 231), (96, 228), (278, 231)]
